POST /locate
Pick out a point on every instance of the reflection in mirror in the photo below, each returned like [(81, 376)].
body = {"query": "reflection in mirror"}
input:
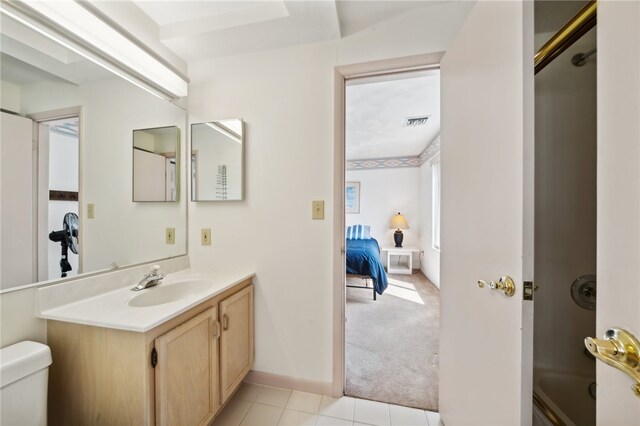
[(217, 160), (155, 169), (81, 118)]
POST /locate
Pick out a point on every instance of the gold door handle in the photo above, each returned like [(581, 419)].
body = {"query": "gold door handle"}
[(619, 349), (505, 284)]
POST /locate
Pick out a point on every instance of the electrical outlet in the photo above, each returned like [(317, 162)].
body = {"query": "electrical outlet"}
[(205, 236), (170, 236), (317, 207), (91, 211)]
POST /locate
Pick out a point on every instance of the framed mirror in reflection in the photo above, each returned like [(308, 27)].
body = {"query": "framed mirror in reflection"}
[(217, 160), (156, 166), (82, 118)]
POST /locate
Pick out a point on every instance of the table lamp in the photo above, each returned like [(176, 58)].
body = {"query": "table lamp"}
[(398, 222)]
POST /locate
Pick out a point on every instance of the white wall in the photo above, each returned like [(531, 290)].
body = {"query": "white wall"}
[(9, 96), (430, 265), (286, 99), (18, 319), (383, 193), (565, 212)]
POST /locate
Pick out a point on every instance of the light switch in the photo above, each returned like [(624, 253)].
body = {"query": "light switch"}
[(317, 207), (91, 212), (205, 236), (171, 236)]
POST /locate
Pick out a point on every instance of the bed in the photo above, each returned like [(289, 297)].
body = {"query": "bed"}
[(363, 258)]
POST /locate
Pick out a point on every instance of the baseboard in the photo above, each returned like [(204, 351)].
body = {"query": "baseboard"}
[(287, 382)]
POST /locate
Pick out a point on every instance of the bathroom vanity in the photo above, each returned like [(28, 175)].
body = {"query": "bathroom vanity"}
[(167, 355)]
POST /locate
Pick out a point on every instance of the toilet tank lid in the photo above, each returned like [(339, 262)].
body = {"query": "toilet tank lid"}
[(22, 359)]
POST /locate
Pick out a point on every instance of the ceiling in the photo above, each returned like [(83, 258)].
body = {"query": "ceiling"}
[(198, 30), (355, 16), (376, 111)]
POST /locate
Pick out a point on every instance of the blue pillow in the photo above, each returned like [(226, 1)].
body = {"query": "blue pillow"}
[(358, 232)]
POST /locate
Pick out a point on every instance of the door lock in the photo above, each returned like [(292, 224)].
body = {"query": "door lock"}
[(619, 349), (505, 284)]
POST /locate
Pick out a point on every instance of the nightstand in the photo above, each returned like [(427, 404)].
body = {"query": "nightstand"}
[(395, 255)]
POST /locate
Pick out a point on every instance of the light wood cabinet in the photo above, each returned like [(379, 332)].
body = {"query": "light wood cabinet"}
[(187, 372), (179, 373), (236, 342)]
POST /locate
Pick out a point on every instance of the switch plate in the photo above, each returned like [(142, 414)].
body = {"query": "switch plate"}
[(317, 209), (205, 236), (170, 236), (91, 211)]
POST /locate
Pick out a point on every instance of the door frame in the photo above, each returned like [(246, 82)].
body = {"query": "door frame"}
[(39, 118), (341, 75)]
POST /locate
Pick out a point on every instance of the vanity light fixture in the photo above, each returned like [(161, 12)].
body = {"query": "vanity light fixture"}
[(81, 30)]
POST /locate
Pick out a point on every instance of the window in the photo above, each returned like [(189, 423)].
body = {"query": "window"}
[(435, 203)]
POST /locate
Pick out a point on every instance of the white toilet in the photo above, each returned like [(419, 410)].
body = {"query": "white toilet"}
[(23, 384)]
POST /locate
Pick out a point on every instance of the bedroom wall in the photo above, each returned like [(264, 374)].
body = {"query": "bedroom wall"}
[(286, 98), (383, 193), (430, 265)]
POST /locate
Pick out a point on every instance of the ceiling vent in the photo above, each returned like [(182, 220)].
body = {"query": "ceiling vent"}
[(416, 121), (68, 128)]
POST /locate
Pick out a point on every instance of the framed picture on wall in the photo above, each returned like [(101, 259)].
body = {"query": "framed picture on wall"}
[(352, 197)]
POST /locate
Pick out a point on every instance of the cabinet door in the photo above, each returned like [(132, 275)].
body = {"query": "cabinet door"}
[(236, 341), (187, 372)]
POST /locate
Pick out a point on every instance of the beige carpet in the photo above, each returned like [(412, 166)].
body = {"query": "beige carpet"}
[(392, 343)]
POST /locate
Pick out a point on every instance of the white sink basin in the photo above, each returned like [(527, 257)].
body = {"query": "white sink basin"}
[(168, 292)]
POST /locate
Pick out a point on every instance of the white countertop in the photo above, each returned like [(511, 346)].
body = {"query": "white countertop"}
[(111, 309)]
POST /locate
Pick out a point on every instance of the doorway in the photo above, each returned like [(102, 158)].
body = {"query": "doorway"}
[(390, 343), (564, 379), (57, 180)]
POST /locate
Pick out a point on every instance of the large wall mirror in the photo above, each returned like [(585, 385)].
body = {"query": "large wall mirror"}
[(66, 204), (217, 160), (155, 169)]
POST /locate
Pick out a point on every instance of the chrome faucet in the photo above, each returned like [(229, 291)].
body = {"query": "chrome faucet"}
[(149, 280)]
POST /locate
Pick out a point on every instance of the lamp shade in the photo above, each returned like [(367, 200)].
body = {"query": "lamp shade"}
[(398, 221)]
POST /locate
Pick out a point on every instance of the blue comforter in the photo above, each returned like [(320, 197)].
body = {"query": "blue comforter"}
[(363, 258)]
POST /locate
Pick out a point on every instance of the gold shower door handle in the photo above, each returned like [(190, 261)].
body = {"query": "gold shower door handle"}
[(619, 349), (505, 284)]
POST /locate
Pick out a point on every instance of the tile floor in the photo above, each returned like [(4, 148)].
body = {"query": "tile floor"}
[(255, 405)]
